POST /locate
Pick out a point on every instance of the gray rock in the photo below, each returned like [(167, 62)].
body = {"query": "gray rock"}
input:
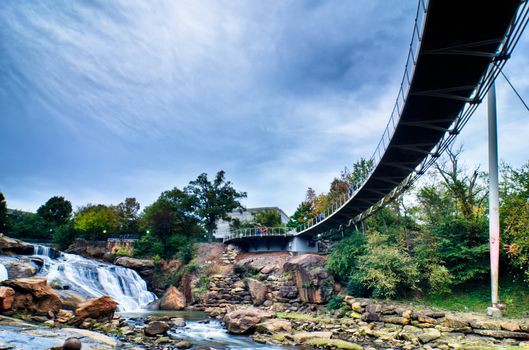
[(428, 335), (178, 322), (156, 327), (72, 344), (184, 344)]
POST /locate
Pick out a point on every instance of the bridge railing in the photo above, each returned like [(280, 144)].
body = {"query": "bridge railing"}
[(259, 231), (411, 62)]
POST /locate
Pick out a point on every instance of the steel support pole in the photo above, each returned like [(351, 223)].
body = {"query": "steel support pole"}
[(494, 204)]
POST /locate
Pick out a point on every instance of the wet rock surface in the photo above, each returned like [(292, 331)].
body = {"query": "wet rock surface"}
[(11, 246), (16, 334), (20, 269), (100, 308), (156, 327), (7, 297), (145, 267), (33, 295)]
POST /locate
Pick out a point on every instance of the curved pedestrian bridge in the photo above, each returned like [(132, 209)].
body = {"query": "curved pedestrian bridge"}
[(457, 50)]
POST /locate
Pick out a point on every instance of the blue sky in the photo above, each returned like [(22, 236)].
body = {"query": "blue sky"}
[(105, 100)]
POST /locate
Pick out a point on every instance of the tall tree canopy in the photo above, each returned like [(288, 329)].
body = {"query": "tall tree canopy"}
[(172, 213), (170, 226), (514, 216), (56, 210), (128, 216), (359, 173), (97, 221), (214, 200)]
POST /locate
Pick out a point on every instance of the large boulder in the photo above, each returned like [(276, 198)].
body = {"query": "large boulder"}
[(244, 321), (173, 299), (273, 326), (14, 246), (7, 297), (20, 269), (91, 249), (263, 263), (144, 267), (99, 308), (314, 283), (155, 328), (34, 295), (133, 263), (258, 291), (70, 300)]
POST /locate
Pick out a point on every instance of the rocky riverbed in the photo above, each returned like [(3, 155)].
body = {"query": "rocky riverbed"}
[(245, 301)]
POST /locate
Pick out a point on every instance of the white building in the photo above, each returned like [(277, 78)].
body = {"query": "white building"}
[(223, 226)]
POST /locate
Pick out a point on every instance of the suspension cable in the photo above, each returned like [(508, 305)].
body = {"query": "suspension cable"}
[(515, 91)]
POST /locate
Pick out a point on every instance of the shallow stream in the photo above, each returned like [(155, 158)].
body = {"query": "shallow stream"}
[(201, 330)]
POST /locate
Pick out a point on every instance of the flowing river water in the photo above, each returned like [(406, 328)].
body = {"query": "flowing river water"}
[(201, 330), (91, 279)]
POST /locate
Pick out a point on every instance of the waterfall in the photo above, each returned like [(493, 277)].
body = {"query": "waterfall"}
[(3, 273), (41, 250), (92, 279)]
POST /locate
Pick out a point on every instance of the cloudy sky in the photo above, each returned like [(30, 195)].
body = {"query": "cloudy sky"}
[(102, 100)]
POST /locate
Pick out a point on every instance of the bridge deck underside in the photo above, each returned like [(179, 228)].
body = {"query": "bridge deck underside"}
[(459, 41)]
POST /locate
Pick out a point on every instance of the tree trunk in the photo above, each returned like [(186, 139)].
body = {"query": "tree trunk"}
[(210, 235)]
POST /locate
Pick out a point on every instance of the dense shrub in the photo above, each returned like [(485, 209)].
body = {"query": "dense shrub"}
[(343, 260), (386, 269), (148, 246), (64, 235)]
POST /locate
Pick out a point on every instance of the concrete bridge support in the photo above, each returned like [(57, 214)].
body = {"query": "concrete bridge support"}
[(294, 244)]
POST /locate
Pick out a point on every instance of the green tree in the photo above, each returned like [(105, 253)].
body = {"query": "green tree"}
[(55, 211), (64, 235), (386, 269), (96, 221), (214, 200), (28, 225), (453, 210), (172, 213), (3, 214), (303, 214), (514, 216), (128, 216), (343, 261), (267, 218), (359, 173), (170, 225)]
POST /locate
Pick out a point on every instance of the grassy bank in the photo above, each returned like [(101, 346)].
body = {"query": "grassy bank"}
[(476, 298)]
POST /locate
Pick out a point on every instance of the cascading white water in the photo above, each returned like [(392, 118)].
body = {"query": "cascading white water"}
[(41, 250), (3, 273), (92, 279)]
